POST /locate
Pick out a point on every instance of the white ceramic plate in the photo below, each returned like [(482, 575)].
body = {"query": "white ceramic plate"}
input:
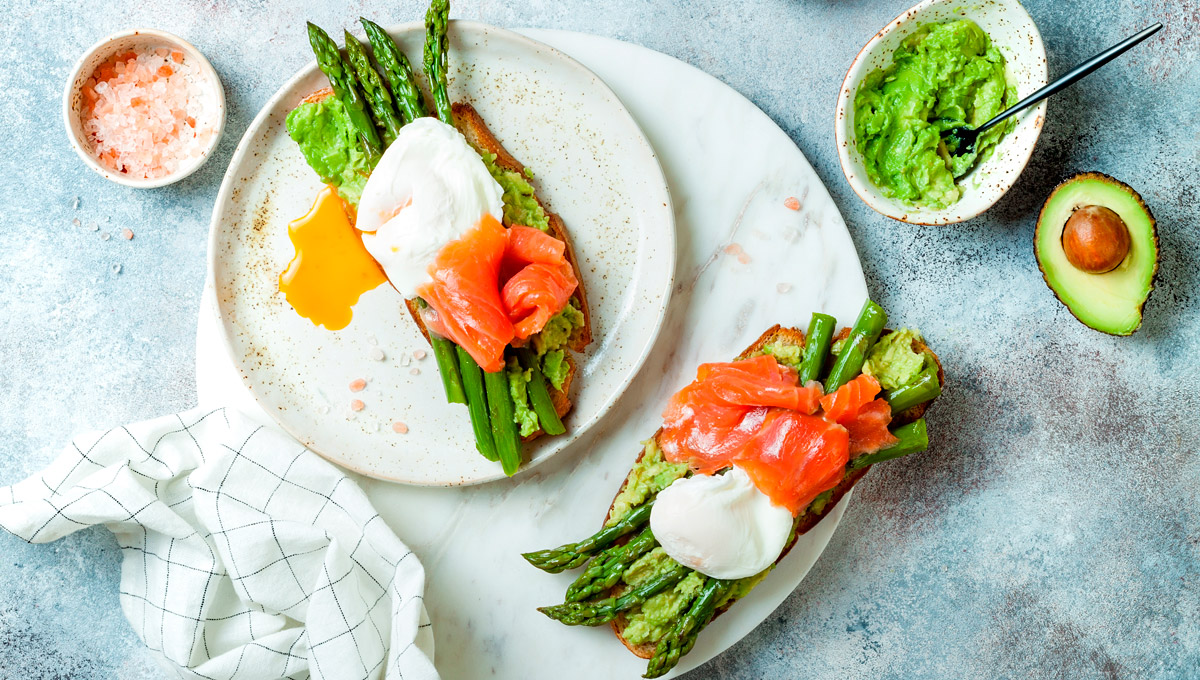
[(593, 166), (727, 189), (1016, 36)]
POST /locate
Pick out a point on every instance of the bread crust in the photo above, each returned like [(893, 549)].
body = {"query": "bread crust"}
[(809, 520)]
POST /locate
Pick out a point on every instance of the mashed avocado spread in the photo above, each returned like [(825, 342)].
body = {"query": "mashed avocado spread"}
[(520, 204), (650, 475), (892, 360), (322, 131), (942, 76), (523, 415), (785, 353)]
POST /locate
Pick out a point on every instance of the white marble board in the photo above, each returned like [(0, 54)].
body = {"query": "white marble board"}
[(729, 169)]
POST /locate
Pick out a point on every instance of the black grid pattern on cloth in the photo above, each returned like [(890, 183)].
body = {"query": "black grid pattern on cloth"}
[(245, 555)]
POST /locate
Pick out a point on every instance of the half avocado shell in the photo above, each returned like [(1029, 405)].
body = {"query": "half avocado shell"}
[(1104, 268)]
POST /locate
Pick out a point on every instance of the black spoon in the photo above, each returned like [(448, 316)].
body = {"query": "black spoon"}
[(961, 139)]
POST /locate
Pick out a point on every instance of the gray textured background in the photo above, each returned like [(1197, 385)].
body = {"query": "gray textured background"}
[(1052, 531)]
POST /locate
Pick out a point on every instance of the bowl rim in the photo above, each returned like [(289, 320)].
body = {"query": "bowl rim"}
[(73, 85), (843, 125)]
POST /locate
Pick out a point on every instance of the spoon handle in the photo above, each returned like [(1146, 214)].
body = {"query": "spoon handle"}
[(1072, 76)]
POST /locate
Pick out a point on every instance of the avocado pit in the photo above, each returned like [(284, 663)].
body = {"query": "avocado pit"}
[(1095, 239)]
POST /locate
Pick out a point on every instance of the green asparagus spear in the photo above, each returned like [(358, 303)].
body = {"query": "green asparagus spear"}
[(504, 427), (345, 88), (477, 406), (913, 438), (572, 555), (543, 407), (682, 637), (925, 388), (863, 335), (603, 572), (816, 346), (447, 363), (437, 20), (396, 70), (387, 118), (603, 611)]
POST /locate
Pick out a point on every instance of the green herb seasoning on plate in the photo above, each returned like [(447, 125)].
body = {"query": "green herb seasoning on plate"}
[(941, 76)]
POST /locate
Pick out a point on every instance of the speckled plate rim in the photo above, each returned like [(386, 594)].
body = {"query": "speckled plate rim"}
[(647, 341), (843, 124)]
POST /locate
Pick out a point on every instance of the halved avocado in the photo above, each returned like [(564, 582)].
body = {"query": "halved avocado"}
[(1097, 248)]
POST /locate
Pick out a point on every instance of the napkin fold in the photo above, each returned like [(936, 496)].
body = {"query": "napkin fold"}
[(245, 554)]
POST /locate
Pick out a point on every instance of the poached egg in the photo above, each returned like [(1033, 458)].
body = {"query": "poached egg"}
[(720, 525), (429, 188)]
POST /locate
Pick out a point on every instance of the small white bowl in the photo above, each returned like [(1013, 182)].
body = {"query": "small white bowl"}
[(140, 39), (1012, 31)]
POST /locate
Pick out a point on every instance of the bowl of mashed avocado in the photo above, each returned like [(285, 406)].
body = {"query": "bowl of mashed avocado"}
[(941, 64)]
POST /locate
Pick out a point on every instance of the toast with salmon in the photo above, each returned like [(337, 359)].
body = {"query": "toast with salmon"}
[(479, 135), (472, 126), (489, 272), (810, 518), (657, 606)]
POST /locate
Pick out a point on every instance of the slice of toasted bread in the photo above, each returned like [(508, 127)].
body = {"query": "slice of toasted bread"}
[(472, 126), (809, 519)]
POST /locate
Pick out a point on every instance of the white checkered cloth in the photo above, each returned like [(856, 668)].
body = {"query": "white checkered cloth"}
[(245, 555)]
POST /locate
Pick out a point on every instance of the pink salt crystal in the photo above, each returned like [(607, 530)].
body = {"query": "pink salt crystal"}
[(133, 113), (736, 250), (791, 203), (415, 371), (358, 385), (399, 427), (127, 233), (784, 287), (357, 405), (419, 354)]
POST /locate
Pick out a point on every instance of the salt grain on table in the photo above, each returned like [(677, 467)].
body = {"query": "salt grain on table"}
[(376, 354), (75, 221), (784, 287), (415, 371), (127, 234), (358, 385), (140, 113), (419, 354), (105, 236), (357, 405), (735, 249), (399, 427)]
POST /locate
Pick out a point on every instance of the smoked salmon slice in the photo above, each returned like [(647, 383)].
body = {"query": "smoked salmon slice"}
[(542, 281), (843, 405), (465, 297), (709, 421), (795, 457), (494, 285), (869, 429)]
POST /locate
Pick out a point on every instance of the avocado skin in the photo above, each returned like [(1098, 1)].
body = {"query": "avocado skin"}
[(1110, 182)]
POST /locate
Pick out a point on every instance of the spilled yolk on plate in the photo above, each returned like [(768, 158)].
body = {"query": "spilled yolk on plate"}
[(331, 268)]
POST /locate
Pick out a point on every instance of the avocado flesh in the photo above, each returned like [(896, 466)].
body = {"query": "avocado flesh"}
[(1110, 302)]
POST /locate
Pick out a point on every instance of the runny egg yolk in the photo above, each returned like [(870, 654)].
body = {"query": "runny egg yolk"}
[(332, 268)]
